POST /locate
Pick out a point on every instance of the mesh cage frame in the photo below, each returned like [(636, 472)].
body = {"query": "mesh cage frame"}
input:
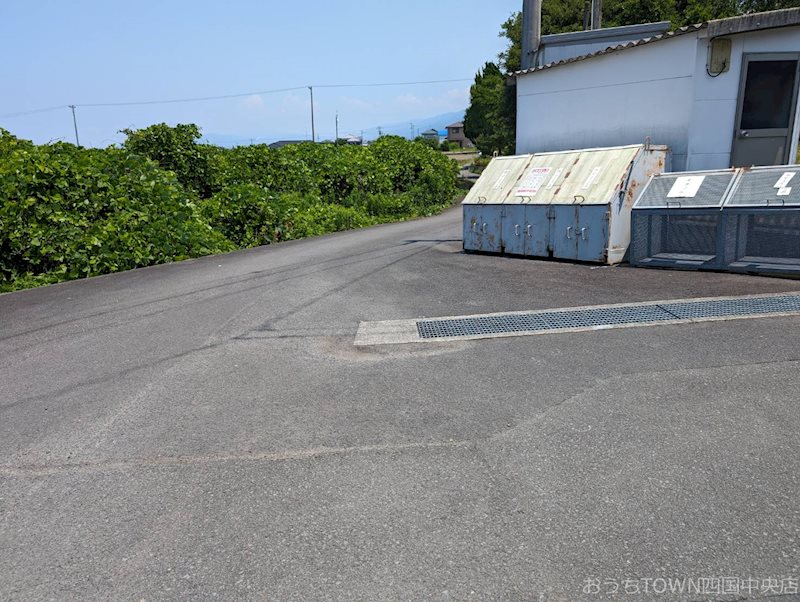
[(681, 237), (762, 240)]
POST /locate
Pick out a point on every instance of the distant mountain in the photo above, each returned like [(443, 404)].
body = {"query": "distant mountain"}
[(403, 128)]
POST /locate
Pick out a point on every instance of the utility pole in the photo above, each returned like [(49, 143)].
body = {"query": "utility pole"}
[(75, 123), (337, 127), (380, 132), (313, 131), (412, 130)]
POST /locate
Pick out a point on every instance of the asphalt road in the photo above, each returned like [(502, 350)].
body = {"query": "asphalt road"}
[(207, 429)]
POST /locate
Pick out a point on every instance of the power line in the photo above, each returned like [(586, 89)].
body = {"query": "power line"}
[(177, 100), (34, 111), (433, 81), (226, 96)]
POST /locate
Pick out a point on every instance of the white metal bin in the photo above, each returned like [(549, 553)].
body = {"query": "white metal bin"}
[(579, 202), (569, 205)]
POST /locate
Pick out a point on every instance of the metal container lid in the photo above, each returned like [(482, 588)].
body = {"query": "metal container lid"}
[(690, 190), (582, 177), (497, 180), (774, 186)]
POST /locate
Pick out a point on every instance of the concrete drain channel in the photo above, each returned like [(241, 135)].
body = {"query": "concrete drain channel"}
[(575, 319)]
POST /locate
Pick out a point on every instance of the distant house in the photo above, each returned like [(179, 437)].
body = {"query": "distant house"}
[(430, 134), (455, 133), (282, 143), (351, 139)]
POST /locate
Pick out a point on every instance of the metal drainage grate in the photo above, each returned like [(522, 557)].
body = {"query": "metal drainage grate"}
[(605, 316), (733, 307)]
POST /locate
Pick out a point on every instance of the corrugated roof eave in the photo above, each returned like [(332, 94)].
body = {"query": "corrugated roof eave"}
[(774, 19), (612, 49)]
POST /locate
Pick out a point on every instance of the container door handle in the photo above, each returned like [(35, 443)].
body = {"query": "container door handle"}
[(528, 230), (474, 227), (516, 229), (483, 228), (583, 233), (569, 231)]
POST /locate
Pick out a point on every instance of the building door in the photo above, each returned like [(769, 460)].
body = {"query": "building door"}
[(766, 111)]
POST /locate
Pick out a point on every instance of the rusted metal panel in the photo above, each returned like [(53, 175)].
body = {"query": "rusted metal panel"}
[(513, 229), (563, 236), (482, 228), (592, 233), (651, 161), (537, 230)]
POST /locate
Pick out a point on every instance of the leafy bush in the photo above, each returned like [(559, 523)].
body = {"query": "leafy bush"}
[(412, 167), (431, 143), (321, 218), (67, 212), (340, 171), (257, 164), (246, 214), (175, 149)]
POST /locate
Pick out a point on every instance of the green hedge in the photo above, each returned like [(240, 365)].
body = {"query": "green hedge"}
[(69, 212)]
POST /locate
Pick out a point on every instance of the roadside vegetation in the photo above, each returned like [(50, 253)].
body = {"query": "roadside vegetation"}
[(68, 212)]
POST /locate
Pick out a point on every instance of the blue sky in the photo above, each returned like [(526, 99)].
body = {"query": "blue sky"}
[(91, 51)]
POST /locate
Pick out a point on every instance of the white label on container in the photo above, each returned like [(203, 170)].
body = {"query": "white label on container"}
[(685, 187), (786, 191), (784, 179), (592, 177), (533, 181), (554, 179), (500, 179)]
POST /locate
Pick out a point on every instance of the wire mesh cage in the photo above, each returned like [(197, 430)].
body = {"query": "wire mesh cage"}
[(762, 221), (677, 221)]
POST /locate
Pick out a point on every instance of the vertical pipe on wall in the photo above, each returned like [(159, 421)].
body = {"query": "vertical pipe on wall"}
[(597, 14), (531, 31)]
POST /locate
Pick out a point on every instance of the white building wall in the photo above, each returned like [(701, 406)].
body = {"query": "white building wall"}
[(615, 99), (713, 121), (659, 90)]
